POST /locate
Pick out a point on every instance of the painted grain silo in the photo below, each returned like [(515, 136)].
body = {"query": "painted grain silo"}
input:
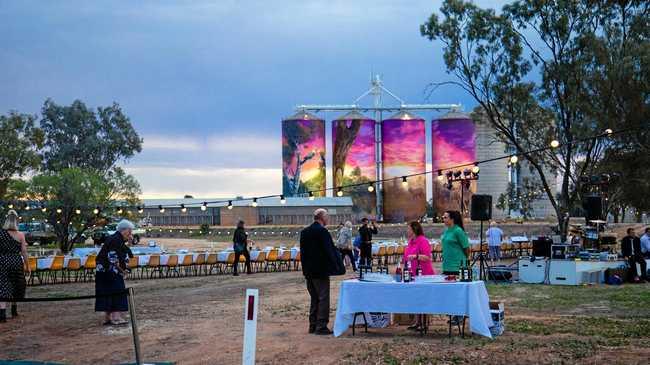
[(453, 143), (403, 153), (303, 155), (354, 162)]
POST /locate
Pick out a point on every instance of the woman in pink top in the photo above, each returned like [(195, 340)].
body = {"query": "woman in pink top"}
[(418, 251)]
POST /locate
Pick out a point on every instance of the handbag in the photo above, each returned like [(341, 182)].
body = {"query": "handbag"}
[(338, 267), (239, 247)]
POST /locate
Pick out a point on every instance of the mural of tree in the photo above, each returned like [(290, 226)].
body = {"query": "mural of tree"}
[(345, 137), (302, 142)]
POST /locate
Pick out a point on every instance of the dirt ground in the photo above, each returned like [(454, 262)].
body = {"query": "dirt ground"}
[(199, 320)]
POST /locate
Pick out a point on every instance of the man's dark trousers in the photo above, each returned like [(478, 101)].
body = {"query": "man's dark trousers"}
[(366, 253), (319, 309), (632, 261)]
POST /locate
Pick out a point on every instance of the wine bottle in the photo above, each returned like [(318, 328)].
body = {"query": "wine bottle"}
[(398, 272)]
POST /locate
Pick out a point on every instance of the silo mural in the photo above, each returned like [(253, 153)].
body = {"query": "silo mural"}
[(353, 141), (453, 142), (303, 154), (403, 153)]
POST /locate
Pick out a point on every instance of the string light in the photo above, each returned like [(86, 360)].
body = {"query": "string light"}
[(161, 209), (140, 210), (44, 209), (476, 169), (254, 203), (555, 143), (230, 204), (204, 207), (404, 182), (311, 195), (609, 131), (77, 211), (59, 210), (283, 200), (10, 206), (120, 211), (339, 193), (183, 209), (96, 211), (514, 159), (371, 187), (27, 207)]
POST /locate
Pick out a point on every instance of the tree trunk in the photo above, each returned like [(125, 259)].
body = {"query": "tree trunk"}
[(345, 137)]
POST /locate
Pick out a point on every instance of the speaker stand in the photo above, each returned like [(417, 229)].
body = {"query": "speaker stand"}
[(484, 267)]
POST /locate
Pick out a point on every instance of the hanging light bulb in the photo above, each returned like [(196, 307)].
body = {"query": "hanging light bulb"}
[(183, 209), (514, 159), (311, 195), (96, 211), (283, 200), (609, 131), (27, 207), (371, 187), (230, 204), (161, 209), (339, 193), (441, 177), (77, 211), (120, 211), (204, 207), (140, 210), (476, 169), (555, 143), (10, 206), (59, 210), (405, 183), (254, 204), (44, 209)]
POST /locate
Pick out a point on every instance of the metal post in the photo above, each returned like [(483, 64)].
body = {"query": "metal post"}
[(134, 327)]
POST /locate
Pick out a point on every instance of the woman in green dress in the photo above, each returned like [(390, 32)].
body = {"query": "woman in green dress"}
[(455, 245)]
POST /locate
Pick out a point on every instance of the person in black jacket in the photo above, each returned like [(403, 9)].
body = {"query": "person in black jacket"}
[(631, 250), (240, 245), (366, 232), (320, 259), (112, 263)]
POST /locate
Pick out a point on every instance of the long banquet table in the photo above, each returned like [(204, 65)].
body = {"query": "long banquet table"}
[(455, 298)]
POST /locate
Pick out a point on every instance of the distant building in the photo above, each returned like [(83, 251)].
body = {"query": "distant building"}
[(269, 211)]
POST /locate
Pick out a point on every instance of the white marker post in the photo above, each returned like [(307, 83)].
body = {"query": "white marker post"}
[(250, 326)]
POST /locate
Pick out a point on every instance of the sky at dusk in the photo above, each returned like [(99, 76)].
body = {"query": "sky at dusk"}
[(453, 142), (207, 83)]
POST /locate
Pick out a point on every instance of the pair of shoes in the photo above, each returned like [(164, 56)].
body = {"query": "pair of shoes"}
[(107, 323), (235, 274), (119, 322), (312, 329), (14, 310), (323, 331)]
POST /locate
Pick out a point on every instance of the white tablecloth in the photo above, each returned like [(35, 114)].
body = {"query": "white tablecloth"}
[(46, 262), (468, 299)]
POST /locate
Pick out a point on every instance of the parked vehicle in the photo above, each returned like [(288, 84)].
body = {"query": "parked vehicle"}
[(42, 233), (99, 234)]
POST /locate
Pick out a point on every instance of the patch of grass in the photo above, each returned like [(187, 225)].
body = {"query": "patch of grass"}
[(575, 348), (390, 360)]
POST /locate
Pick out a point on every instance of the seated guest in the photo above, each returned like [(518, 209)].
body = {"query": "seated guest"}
[(631, 250), (645, 243)]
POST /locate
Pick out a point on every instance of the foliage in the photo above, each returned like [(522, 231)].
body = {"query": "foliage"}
[(20, 141), (521, 198), (78, 137), (531, 70), (74, 188)]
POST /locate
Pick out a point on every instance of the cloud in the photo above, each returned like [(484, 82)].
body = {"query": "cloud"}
[(175, 182)]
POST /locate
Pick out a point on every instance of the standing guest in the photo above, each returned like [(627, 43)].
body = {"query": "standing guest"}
[(631, 249), (418, 251), (320, 260), (240, 246), (12, 276), (455, 245), (494, 236), (112, 263), (645, 243), (344, 243), (366, 233), (418, 255)]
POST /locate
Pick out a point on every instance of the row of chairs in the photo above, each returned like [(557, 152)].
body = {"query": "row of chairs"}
[(204, 265), (390, 254)]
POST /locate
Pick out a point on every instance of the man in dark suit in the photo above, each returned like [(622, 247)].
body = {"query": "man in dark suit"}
[(366, 232), (320, 259), (631, 250)]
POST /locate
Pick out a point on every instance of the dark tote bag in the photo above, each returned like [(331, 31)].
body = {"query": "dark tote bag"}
[(239, 247), (338, 267)]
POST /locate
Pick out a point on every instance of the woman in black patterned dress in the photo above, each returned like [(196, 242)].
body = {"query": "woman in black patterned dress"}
[(12, 265)]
